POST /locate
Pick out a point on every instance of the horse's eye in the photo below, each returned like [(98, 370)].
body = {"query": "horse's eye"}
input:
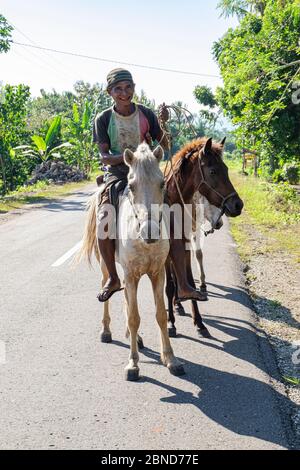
[(131, 188), (212, 171), (162, 185)]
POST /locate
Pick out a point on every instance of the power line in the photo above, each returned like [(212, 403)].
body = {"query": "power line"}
[(52, 67), (161, 69)]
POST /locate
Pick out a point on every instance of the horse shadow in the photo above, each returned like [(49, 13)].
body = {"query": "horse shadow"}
[(239, 295), (238, 403)]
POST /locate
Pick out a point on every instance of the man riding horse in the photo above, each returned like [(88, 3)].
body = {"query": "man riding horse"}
[(126, 125)]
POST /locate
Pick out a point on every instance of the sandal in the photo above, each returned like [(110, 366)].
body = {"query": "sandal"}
[(106, 294)]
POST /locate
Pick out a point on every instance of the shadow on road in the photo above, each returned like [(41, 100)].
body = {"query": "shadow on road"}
[(240, 295), (244, 405)]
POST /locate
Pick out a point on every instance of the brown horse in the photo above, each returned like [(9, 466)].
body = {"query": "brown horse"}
[(198, 166)]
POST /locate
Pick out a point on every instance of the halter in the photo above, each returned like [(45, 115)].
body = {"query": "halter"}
[(223, 198), (203, 181), (129, 195)]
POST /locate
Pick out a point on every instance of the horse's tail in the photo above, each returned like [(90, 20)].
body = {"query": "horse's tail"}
[(89, 241)]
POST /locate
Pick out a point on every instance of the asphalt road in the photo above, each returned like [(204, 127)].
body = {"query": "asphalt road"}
[(60, 388)]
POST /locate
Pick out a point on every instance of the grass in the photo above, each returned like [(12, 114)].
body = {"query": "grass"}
[(39, 193), (292, 381), (271, 215)]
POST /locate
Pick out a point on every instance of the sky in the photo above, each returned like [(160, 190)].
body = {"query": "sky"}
[(173, 34)]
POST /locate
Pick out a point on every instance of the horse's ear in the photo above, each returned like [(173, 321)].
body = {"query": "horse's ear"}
[(158, 153), (207, 146), (128, 157), (222, 143)]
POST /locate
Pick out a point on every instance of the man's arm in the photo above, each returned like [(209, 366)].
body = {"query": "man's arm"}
[(107, 158)]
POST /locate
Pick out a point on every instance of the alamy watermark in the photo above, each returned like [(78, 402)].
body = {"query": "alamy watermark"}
[(156, 222), (2, 352)]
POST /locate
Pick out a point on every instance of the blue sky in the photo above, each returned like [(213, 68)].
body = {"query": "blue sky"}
[(170, 34)]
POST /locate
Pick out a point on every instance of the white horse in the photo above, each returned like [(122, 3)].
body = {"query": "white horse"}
[(140, 249)]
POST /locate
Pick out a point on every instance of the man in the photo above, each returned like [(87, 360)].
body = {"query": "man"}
[(126, 125)]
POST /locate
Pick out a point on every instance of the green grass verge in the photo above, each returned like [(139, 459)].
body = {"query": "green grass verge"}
[(40, 192), (271, 215)]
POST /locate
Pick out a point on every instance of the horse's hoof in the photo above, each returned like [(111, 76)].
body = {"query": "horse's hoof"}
[(203, 291), (204, 332), (179, 310), (140, 344), (177, 370), (106, 337), (172, 332), (132, 375)]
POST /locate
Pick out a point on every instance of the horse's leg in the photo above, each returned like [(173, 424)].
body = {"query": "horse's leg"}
[(127, 333), (133, 322), (167, 355), (105, 332), (170, 292), (199, 257), (178, 307), (197, 319)]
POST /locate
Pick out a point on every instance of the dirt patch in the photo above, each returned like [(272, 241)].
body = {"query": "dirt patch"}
[(272, 279)]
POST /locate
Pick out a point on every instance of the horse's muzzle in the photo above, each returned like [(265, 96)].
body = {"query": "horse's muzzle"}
[(150, 232), (233, 206), (219, 225)]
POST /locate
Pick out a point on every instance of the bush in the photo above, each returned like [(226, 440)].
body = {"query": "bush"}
[(291, 172), (277, 176)]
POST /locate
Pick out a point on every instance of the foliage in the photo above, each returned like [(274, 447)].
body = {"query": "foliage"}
[(5, 34), (241, 8), (96, 95), (257, 65), (42, 148), (14, 169), (211, 113), (79, 131), (42, 109)]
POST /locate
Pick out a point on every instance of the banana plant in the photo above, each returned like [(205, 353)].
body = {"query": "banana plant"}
[(79, 134), (41, 147)]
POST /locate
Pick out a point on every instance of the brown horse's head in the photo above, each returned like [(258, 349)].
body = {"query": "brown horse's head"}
[(214, 182), (199, 166)]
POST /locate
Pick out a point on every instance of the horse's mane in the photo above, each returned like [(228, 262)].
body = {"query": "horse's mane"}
[(193, 148)]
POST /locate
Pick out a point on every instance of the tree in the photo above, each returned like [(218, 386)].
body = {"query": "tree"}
[(78, 131), (205, 96), (5, 34), (258, 63), (42, 109), (241, 8), (13, 170)]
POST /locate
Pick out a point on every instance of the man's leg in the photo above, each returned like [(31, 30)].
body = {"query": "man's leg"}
[(184, 289), (106, 217)]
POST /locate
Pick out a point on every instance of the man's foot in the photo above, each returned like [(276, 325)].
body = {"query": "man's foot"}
[(190, 294), (111, 286)]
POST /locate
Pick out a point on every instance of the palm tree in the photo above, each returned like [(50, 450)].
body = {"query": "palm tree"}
[(241, 8)]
